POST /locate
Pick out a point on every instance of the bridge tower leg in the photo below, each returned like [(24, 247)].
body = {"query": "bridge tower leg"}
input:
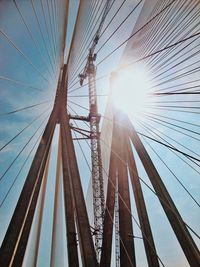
[(179, 227), (15, 241)]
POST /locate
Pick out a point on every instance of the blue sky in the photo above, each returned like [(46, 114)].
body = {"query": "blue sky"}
[(33, 83), (28, 75)]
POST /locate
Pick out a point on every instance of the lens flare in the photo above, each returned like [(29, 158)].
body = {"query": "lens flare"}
[(129, 90)]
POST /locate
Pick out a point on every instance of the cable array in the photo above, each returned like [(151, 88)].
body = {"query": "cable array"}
[(165, 42), (38, 47)]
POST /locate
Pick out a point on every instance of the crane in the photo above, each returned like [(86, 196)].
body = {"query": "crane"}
[(94, 120)]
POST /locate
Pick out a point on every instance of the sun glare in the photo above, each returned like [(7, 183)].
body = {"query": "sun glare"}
[(129, 90)]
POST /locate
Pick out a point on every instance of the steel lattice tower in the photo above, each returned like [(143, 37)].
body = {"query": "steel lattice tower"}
[(97, 176)]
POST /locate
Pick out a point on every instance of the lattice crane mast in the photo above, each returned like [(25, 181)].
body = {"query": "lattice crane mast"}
[(94, 119)]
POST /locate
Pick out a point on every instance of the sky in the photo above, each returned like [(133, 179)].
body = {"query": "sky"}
[(30, 46), (27, 78)]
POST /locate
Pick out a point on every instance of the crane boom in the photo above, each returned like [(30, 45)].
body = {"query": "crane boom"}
[(84, 74)]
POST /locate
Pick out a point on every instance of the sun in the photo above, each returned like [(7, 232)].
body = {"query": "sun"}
[(130, 90)]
